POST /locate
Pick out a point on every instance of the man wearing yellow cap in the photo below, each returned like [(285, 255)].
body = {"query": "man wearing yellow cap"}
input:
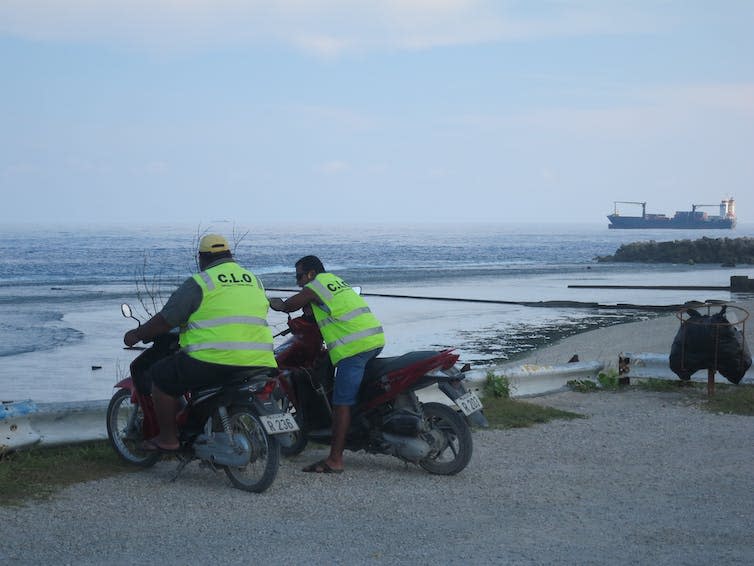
[(222, 315)]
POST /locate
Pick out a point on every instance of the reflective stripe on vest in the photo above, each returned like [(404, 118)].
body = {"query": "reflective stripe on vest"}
[(322, 292), (227, 320), (229, 346), (354, 337), (207, 280), (348, 316), (346, 322), (230, 325)]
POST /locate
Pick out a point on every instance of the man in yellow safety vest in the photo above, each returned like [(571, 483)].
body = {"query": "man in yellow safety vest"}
[(353, 336), (222, 315)]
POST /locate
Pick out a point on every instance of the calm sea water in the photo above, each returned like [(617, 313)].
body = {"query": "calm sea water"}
[(60, 286)]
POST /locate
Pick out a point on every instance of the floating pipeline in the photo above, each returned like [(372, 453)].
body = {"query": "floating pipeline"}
[(547, 304), (738, 284)]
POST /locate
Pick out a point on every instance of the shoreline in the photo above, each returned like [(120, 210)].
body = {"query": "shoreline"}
[(487, 336), (573, 336), (654, 335)]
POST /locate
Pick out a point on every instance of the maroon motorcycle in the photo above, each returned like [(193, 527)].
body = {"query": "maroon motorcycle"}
[(388, 417), (237, 427)]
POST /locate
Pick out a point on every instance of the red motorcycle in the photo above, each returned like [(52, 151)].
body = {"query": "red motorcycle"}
[(388, 417), (234, 427)]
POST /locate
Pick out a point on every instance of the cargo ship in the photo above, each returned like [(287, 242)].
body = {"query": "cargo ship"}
[(682, 219)]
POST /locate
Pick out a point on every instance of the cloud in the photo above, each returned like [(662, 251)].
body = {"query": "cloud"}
[(324, 28), (334, 116), (733, 98), (333, 167), (634, 113)]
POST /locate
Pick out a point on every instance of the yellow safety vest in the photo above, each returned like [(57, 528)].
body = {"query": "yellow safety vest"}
[(230, 325), (347, 325)]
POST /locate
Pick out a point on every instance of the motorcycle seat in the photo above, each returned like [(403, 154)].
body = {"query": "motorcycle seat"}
[(377, 367), (248, 374), (237, 378)]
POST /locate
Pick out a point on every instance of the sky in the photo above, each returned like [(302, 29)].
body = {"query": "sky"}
[(342, 111)]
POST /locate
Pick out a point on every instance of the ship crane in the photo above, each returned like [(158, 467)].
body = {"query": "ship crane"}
[(643, 206), (727, 208)]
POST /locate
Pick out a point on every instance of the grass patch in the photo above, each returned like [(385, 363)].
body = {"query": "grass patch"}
[(582, 385), (503, 412), (728, 398), (511, 413), (668, 385), (497, 386), (606, 381), (732, 400), (38, 473)]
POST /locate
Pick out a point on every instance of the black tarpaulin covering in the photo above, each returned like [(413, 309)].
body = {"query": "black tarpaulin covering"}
[(709, 342)]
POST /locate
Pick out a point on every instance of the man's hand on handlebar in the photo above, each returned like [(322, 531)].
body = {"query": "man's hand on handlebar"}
[(131, 337), (146, 332)]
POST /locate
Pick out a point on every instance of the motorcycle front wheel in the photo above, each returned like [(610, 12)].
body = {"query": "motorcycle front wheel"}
[(453, 452), (264, 460), (124, 430)]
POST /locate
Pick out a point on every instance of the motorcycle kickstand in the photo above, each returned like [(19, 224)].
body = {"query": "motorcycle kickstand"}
[(322, 393), (182, 463), (210, 465)]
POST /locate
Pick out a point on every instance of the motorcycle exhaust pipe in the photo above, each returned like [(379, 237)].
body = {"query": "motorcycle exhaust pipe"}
[(408, 448)]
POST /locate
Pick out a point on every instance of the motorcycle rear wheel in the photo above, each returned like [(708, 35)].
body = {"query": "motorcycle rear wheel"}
[(127, 441), (262, 468), (455, 454)]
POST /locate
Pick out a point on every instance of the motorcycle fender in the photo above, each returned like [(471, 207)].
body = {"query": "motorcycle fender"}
[(127, 383), (267, 408), (454, 389)]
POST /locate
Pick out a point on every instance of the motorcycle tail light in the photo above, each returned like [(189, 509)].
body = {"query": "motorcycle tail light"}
[(450, 360), (265, 392)]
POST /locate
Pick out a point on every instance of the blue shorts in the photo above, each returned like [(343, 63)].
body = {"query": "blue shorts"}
[(348, 375)]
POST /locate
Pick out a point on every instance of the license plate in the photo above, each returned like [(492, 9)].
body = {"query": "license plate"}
[(469, 403), (279, 423)]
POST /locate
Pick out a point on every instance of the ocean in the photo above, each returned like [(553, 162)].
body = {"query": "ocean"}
[(61, 287)]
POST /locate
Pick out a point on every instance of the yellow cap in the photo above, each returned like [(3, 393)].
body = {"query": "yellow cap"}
[(213, 243)]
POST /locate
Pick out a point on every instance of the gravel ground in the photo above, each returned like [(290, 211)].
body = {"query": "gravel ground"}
[(647, 478)]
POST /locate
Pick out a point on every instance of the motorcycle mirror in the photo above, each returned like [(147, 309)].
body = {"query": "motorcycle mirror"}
[(125, 308)]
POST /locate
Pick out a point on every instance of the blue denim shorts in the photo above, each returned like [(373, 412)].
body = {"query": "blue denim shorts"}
[(348, 375)]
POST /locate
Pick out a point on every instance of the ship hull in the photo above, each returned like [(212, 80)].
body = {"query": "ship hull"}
[(638, 223)]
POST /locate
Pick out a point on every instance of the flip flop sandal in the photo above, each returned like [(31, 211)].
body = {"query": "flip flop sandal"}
[(151, 445), (321, 467)]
